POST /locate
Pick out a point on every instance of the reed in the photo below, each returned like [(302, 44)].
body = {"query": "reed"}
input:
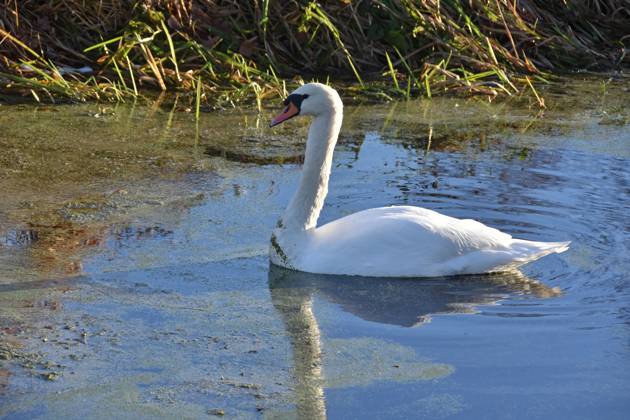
[(243, 50)]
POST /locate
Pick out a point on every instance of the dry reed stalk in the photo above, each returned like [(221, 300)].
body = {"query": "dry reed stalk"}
[(235, 44)]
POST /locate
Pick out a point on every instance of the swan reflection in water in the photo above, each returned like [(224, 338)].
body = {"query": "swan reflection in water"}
[(395, 301)]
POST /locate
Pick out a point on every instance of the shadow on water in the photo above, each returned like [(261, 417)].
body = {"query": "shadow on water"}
[(402, 301), (395, 301)]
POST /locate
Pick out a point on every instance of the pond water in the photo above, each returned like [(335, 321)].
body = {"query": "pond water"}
[(134, 280)]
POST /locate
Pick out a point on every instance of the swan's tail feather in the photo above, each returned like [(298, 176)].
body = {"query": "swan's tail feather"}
[(531, 250), (517, 253)]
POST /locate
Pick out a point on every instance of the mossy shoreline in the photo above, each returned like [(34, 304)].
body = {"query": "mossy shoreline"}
[(222, 53)]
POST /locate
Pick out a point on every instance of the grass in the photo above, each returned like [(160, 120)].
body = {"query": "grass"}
[(242, 52)]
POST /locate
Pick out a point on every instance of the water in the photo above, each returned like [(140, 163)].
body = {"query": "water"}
[(134, 280)]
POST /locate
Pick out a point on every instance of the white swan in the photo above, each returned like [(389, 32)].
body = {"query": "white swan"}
[(399, 241)]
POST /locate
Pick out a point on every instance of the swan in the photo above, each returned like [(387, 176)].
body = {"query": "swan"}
[(396, 241)]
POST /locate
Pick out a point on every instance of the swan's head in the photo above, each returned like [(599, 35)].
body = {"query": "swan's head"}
[(310, 99)]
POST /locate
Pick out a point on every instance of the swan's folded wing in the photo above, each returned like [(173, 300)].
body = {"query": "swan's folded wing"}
[(390, 240)]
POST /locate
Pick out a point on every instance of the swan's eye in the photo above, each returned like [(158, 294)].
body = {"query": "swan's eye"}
[(295, 99)]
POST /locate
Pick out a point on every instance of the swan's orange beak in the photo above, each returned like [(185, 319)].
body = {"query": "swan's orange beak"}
[(289, 112)]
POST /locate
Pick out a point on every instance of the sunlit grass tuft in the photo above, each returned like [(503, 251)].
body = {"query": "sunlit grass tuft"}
[(242, 52)]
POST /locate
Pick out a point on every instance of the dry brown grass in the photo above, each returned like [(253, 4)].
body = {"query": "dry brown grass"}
[(237, 48)]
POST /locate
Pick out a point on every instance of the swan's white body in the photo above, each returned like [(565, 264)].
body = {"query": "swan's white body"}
[(399, 241)]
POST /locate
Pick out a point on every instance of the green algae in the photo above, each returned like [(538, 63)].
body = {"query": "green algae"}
[(362, 361)]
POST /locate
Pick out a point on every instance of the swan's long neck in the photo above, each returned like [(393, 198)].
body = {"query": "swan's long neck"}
[(305, 206)]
